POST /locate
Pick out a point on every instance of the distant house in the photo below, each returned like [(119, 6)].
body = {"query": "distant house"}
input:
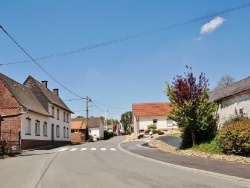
[(95, 126), (145, 114), (234, 97), (78, 131), (33, 116)]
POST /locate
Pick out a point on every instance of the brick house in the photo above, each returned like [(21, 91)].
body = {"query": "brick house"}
[(39, 114), (145, 114), (233, 97), (95, 126), (78, 131)]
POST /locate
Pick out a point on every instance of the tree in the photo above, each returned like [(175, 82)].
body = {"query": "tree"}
[(191, 109), (126, 119), (224, 81)]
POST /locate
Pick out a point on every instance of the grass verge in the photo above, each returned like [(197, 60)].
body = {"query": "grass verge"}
[(208, 147)]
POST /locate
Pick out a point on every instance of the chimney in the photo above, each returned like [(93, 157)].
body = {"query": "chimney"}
[(55, 91), (45, 83)]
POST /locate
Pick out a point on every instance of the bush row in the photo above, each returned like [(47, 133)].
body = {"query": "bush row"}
[(5, 149)]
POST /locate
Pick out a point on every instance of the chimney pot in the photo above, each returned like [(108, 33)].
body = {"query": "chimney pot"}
[(45, 83), (55, 91)]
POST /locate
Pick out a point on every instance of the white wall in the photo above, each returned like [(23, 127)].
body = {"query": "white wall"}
[(94, 131), (50, 120), (227, 107), (33, 117), (60, 122), (162, 122)]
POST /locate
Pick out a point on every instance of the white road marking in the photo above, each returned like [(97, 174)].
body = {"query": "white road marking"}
[(73, 149), (63, 149), (83, 149), (103, 149), (112, 149), (93, 149)]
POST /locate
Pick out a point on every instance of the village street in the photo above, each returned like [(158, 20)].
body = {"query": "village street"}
[(101, 164)]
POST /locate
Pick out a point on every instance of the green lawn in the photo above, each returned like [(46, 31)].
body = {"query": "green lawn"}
[(208, 147)]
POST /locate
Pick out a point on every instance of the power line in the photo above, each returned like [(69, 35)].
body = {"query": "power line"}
[(32, 59), (97, 106), (139, 35)]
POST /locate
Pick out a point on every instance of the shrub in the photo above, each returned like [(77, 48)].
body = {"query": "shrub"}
[(90, 139), (234, 138), (108, 135), (152, 126), (5, 149), (155, 131)]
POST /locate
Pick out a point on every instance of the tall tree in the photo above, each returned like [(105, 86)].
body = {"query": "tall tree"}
[(126, 119), (224, 81), (191, 109)]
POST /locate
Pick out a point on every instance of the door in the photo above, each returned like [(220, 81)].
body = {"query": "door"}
[(52, 132)]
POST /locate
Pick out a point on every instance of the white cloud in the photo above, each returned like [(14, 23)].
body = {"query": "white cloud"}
[(212, 25)]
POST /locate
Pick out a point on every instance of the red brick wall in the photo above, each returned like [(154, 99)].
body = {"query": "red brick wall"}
[(9, 105), (77, 137)]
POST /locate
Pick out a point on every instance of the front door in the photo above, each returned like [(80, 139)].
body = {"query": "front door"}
[(52, 132)]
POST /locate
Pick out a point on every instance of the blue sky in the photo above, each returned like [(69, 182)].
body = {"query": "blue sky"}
[(133, 71)]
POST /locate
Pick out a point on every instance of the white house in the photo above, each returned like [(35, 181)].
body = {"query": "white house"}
[(39, 115), (234, 97), (145, 114)]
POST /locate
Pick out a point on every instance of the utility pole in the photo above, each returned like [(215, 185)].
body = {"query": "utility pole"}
[(106, 120), (87, 118)]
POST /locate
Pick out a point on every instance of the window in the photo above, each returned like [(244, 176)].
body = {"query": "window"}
[(57, 131), (37, 128), (155, 121), (64, 117), (170, 122), (67, 118), (53, 112), (28, 126), (45, 128), (58, 114), (64, 132), (67, 132)]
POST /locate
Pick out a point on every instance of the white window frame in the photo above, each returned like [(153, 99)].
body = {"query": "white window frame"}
[(45, 129), (67, 118), (52, 111), (64, 132), (28, 127), (57, 131), (58, 117)]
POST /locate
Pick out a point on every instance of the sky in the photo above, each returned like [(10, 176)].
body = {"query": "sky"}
[(117, 74)]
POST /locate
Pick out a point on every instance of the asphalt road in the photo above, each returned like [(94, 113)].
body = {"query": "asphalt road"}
[(99, 165)]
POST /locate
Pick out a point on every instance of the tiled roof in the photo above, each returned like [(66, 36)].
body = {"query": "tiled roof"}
[(78, 125), (151, 109), (23, 95), (51, 97), (93, 122), (232, 89)]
